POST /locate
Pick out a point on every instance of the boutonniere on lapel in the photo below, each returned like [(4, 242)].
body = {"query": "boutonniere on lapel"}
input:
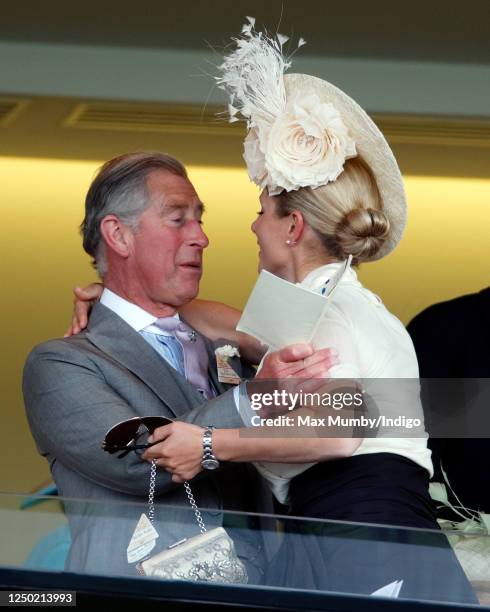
[(226, 373)]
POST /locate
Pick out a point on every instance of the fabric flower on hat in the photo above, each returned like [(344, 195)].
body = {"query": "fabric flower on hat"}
[(306, 146), (295, 143), (255, 158)]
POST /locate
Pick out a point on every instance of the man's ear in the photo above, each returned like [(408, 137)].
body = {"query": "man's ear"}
[(117, 235), (296, 226)]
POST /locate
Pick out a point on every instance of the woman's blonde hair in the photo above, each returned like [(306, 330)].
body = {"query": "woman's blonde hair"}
[(347, 214)]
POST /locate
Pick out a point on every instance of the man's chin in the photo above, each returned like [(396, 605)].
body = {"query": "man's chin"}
[(186, 295)]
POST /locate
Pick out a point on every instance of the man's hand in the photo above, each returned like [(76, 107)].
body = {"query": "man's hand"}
[(298, 361), (179, 449), (83, 302)]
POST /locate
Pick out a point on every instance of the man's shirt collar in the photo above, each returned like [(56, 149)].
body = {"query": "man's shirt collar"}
[(133, 315)]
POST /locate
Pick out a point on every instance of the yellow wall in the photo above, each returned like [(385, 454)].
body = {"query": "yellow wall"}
[(444, 253)]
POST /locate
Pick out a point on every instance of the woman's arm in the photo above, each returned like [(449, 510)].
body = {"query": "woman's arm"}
[(179, 449), (218, 321), (237, 445)]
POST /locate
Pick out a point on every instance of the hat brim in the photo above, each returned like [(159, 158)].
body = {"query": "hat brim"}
[(371, 145)]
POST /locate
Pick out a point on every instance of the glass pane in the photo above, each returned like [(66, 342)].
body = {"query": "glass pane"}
[(307, 557)]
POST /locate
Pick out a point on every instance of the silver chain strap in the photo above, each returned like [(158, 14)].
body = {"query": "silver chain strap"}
[(193, 504), (188, 490), (151, 492)]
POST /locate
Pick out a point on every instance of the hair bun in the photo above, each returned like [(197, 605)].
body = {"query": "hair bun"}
[(362, 232)]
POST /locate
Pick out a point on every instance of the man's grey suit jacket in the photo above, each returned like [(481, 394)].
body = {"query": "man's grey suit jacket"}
[(75, 390)]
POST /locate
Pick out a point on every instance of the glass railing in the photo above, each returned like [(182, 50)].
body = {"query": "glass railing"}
[(259, 561)]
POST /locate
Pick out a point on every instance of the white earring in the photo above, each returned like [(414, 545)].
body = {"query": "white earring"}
[(288, 241)]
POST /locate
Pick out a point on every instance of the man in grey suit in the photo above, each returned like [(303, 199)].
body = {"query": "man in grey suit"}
[(143, 228)]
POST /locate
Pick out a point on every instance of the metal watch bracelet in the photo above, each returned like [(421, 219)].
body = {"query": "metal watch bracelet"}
[(209, 461)]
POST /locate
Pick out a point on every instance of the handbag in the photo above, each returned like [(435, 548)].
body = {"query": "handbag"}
[(207, 557)]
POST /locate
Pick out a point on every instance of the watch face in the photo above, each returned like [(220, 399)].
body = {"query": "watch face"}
[(210, 464)]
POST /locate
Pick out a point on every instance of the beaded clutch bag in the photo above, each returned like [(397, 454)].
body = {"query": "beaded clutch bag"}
[(207, 557)]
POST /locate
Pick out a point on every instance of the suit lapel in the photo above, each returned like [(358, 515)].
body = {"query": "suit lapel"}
[(113, 336), (213, 369)]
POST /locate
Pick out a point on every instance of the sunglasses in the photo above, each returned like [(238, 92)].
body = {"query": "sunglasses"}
[(125, 435)]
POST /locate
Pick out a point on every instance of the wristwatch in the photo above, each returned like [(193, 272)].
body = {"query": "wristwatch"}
[(209, 461)]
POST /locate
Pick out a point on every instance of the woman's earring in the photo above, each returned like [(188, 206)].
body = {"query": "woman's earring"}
[(290, 242)]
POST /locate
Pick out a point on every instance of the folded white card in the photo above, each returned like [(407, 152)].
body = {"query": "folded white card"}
[(279, 313)]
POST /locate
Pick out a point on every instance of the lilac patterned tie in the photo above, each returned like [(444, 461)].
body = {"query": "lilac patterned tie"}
[(196, 359)]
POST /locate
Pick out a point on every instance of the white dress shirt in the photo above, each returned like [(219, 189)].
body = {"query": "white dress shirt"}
[(374, 348)]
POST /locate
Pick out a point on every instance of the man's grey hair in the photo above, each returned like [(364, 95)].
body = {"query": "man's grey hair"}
[(120, 189)]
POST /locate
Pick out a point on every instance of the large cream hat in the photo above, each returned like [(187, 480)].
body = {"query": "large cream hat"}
[(302, 129), (370, 144)]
